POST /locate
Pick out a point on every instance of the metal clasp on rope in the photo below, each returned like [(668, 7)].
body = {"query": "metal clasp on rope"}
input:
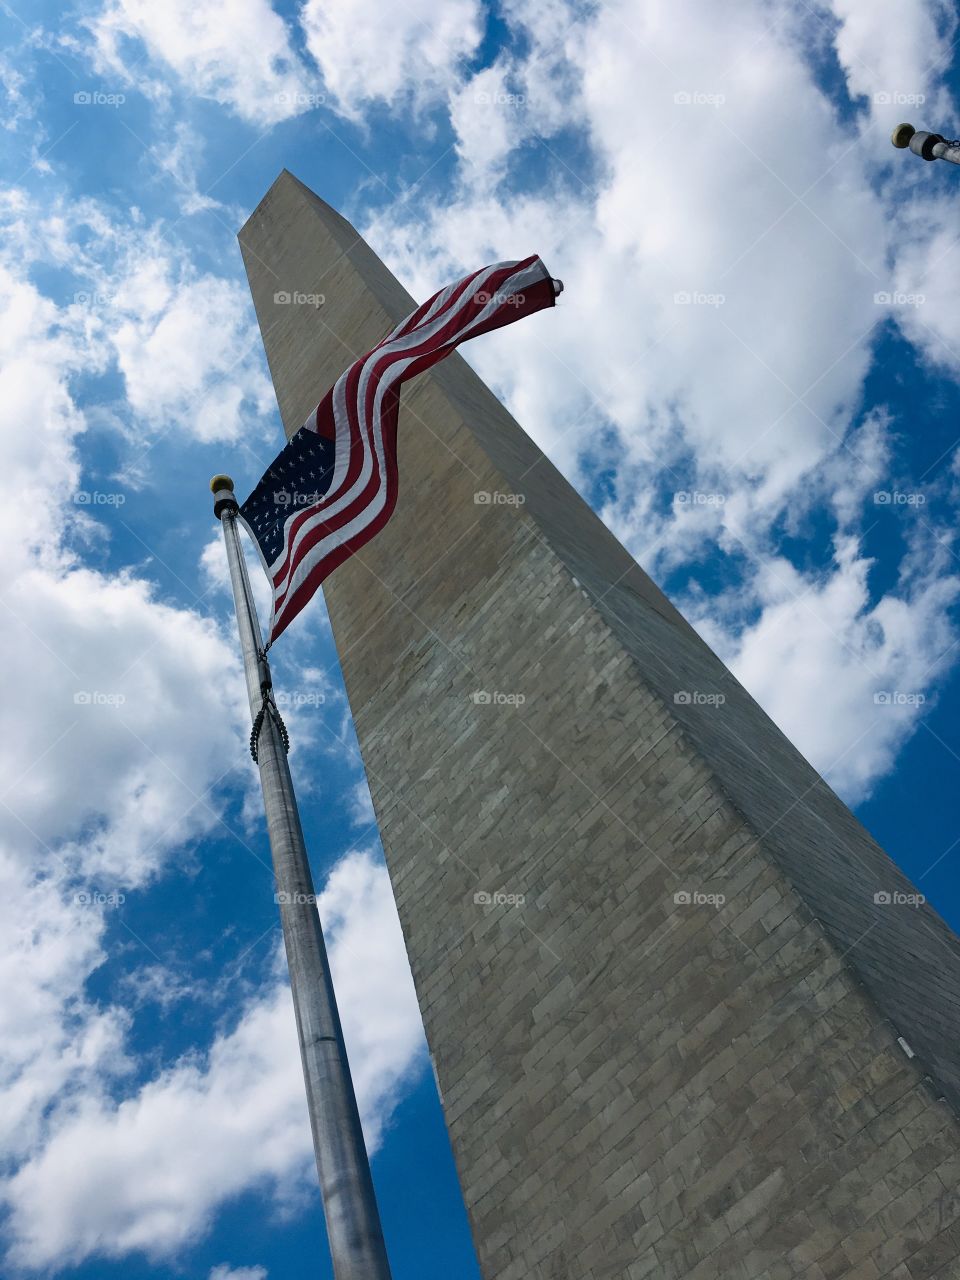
[(268, 707)]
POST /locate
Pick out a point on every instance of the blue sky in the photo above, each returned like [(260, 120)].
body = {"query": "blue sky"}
[(753, 377)]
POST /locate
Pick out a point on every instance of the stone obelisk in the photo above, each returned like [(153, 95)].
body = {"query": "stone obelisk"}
[(687, 1018)]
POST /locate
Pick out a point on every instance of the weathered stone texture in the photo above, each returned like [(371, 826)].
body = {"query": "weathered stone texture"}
[(634, 1086)]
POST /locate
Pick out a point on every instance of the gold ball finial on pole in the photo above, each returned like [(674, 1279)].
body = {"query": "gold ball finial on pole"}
[(223, 500), (901, 135)]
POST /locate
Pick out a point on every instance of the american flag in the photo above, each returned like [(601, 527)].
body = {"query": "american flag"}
[(334, 486)]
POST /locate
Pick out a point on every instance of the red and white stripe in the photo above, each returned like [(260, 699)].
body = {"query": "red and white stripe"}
[(360, 414)]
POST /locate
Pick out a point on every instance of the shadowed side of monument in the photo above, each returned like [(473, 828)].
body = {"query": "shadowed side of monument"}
[(660, 985)]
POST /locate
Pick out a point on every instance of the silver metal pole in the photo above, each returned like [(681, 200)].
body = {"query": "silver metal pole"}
[(929, 146), (349, 1204)]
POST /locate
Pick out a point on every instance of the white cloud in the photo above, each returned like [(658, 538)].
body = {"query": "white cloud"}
[(721, 244), (925, 287), (18, 106), (148, 1174), (485, 121), (178, 155), (188, 352), (378, 1005), (243, 56), (856, 473), (160, 985), (99, 671), (361, 805), (120, 715), (53, 1040), (224, 1272), (708, 219), (846, 677), (374, 50), (894, 53), (123, 726), (238, 53), (185, 341)]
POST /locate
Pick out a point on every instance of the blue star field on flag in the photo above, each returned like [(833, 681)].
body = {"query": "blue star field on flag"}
[(297, 478)]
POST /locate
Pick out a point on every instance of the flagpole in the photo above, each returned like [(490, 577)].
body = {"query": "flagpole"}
[(349, 1204), (930, 146)]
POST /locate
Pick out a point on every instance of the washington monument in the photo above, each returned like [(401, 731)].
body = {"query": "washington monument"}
[(688, 1020)]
